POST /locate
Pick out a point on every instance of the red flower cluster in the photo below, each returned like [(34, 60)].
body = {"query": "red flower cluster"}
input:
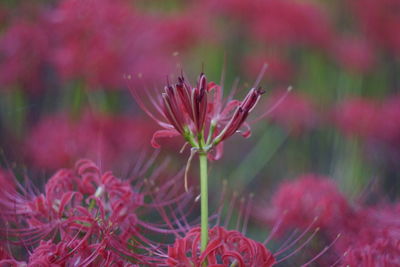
[(374, 238), (225, 248), (93, 43), (279, 29), (310, 197), (380, 21), (354, 54), (84, 218), (378, 123), (295, 112), (357, 116), (281, 22), (368, 236), (97, 41), (280, 68), (59, 140), (23, 52)]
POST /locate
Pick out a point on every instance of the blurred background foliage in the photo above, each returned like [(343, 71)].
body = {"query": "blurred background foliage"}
[(63, 95)]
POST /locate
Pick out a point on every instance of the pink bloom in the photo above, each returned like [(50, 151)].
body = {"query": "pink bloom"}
[(370, 119), (98, 41), (381, 252), (372, 239), (307, 199), (281, 23), (279, 67), (180, 32), (198, 113), (93, 214), (377, 122), (59, 140), (354, 54), (296, 112), (23, 51), (389, 120), (380, 22), (225, 248), (357, 117)]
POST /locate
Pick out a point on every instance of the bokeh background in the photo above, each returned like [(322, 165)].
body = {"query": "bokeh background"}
[(64, 93)]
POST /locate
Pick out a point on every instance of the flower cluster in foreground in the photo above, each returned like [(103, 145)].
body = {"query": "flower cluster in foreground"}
[(84, 218), (89, 218)]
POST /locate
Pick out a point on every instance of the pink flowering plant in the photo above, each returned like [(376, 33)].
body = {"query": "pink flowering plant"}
[(84, 218), (199, 115)]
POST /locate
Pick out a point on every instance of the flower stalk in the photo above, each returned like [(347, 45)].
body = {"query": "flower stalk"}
[(204, 200)]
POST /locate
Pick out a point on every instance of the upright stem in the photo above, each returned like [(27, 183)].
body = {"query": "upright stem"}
[(204, 200)]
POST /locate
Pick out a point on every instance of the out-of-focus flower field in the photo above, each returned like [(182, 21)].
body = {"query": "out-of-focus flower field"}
[(318, 179)]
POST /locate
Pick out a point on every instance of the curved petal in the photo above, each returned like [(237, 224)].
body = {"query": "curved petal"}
[(219, 149), (163, 134), (245, 130)]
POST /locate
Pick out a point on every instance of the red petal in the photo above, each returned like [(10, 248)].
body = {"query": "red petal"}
[(246, 131), (219, 149), (162, 134)]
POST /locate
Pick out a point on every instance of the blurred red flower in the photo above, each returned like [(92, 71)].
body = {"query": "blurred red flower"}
[(308, 199), (356, 55), (357, 116), (59, 140), (380, 22), (24, 48), (295, 112)]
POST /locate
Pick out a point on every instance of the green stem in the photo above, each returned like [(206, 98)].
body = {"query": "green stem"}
[(204, 200)]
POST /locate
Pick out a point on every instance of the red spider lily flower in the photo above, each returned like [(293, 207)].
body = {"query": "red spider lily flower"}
[(225, 248), (379, 21), (84, 217), (59, 140), (64, 253), (23, 50), (296, 113), (199, 114), (354, 54), (372, 237), (280, 23), (280, 67), (380, 252), (96, 41), (308, 198), (357, 117)]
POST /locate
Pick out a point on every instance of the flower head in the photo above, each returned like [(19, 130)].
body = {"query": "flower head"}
[(24, 46), (310, 197), (371, 237), (59, 140), (296, 113), (84, 217), (198, 113), (225, 248)]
